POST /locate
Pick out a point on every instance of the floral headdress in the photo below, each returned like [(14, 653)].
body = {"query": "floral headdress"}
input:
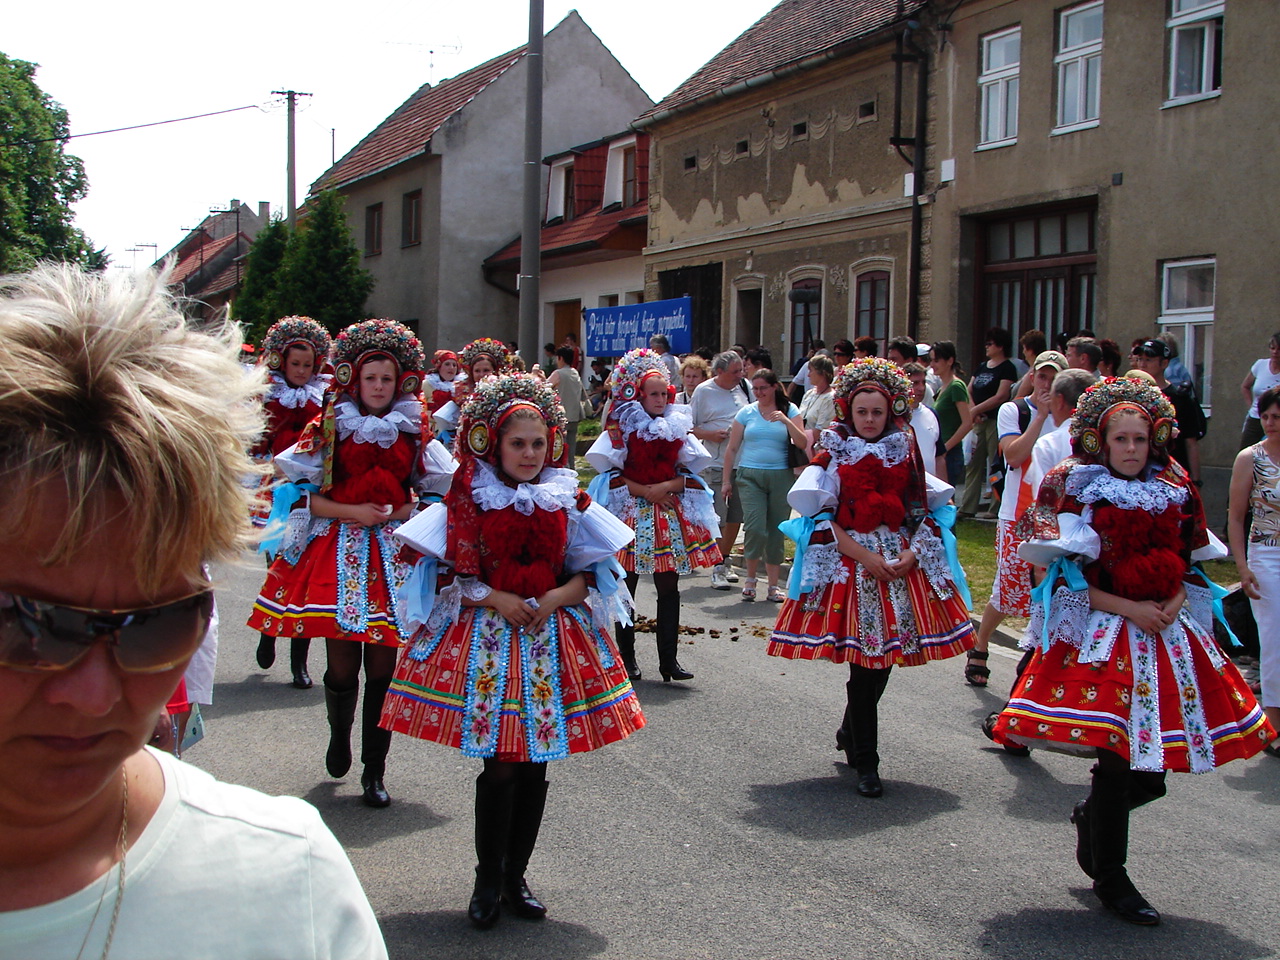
[(290, 331), (628, 377), (493, 401), (495, 350), (1111, 395), (379, 340), (876, 373)]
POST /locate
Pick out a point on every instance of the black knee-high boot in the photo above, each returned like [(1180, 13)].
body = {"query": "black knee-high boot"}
[(859, 735), (340, 705), (266, 651), (493, 831), (1108, 826), (374, 744), (668, 632), (528, 802), (1144, 787), (625, 636), (298, 648)]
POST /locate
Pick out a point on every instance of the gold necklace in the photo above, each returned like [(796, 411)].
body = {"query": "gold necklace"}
[(122, 845)]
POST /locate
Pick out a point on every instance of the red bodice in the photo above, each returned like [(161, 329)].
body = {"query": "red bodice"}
[(438, 399), (284, 425), (651, 461), (1144, 555), (522, 555), (369, 473), (872, 494)]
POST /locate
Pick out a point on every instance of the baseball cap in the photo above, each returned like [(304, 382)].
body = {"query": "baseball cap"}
[(1153, 348), (1050, 358)]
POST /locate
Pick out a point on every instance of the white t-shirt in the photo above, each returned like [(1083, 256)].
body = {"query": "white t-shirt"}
[(1007, 425), (1051, 449), (1263, 380), (220, 871), (924, 422), (714, 408)]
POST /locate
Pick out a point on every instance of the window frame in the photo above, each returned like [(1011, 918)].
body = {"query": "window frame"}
[(621, 173), (373, 229), (1079, 55), (1210, 17), (1182, 321), (808, 279), (411, 219), (872, 274), (999, 79)]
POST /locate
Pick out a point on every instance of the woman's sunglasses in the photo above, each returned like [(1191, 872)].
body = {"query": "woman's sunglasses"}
[(38, 636)]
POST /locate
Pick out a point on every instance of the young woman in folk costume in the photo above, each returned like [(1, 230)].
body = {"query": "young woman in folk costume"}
[(480, 358), (509, 663), (295, 350), (1125, 668), (444, 380), (648, 463), (871, 585), (338, 574)]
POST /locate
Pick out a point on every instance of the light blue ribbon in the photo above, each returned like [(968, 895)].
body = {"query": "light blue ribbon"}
[(598, 489), (1042, 593), (417, 595), (283, 499), (945, 517), (800, 529), (1219, 614), (609, 576)]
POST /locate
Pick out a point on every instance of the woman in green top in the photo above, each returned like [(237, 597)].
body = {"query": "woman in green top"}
[(952, 407)]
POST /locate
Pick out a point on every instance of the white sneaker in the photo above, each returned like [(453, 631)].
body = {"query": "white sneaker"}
[(718, 580), (729, 574)]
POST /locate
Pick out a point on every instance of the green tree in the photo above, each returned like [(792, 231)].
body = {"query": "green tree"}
[(39, 181), (255, 307), (322, 277)]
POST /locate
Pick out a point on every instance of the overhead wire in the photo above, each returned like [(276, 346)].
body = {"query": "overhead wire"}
[(137, 126)]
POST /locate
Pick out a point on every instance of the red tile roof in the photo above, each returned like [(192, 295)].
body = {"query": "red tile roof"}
[(199, 256), (406, 131), (616, 230), (789, 34), (228, 279)]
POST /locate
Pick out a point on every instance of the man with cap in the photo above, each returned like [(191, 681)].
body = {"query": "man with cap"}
[(1152, 357), (1019, 424)]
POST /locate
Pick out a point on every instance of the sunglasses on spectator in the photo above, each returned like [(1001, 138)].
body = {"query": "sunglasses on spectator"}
[(41, 637)]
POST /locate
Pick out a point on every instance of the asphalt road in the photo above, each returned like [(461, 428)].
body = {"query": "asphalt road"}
[(729, 827)]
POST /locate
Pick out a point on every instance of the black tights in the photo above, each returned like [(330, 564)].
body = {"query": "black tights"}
[(346, 656), (666, 583), (501, 773)]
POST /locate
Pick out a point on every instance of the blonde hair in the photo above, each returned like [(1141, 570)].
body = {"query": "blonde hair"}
[(109, 392)]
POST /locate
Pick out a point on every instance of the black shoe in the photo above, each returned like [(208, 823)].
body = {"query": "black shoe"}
[(266, 651), (989, 731), (633, 668), (1084, 840), (484, 909), (520, 900), (1130, 906), (298, 648), (375, 794), (673, 671), (302, 679), (869, 785)]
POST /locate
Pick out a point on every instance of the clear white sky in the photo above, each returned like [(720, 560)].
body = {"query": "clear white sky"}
[(114, 65)]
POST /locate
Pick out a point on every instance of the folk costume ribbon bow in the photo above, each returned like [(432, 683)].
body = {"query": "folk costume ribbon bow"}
[(1042, 593), (800, 529)]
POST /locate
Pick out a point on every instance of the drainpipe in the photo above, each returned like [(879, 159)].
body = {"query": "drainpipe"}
[(918, 56)]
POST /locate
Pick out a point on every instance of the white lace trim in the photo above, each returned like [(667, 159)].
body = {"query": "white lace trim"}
[(932, 557), (824, 565), (405, 416), (1199, 605), (556, 489), (1069, 616), (291, 397), (674, 424), (890, 451), (1092, 482), (436, 383)]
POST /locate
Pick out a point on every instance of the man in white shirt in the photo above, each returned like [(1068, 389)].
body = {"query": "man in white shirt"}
[(660, 345), (714, 405), (1054, 445), (924, 422)]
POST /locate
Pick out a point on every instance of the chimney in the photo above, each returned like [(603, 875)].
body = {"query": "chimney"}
[(264, 212)]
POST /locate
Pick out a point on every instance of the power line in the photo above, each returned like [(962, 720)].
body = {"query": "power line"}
[(139, 126)]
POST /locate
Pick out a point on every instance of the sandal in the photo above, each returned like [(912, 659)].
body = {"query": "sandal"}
[(776, 593), (748, 588), (989, 731), (976, 674)]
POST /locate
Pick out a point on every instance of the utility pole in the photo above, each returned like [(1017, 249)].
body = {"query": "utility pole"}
[(291, 198), (531, 221)]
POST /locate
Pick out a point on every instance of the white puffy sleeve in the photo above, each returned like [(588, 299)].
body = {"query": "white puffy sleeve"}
[(436, 467), (937, 491), (595, 534), (694, 456), (815, 490), (426, 532), (446, 418), (300, 467), (1075, 538), (1215, 549), (604, 456)]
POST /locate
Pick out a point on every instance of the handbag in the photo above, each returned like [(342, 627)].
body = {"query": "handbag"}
[(796, 457)]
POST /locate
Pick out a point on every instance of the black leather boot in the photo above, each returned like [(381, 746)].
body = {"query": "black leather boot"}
[(668, 632), (298, 648), (1108, 807), (266, 651), (1144, 787), (859, 734), (493, 830), (340, 705), (625, 636), (529, 800), (375, 743)]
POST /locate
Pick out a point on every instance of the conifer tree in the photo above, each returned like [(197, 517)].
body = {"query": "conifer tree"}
[(256, 306), (322, 277)]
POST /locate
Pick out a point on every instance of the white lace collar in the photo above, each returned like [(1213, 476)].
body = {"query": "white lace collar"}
[(674, 424), (555, 489), (890, 451), (405, 416), (1091, 482), (290, 397), (436, 382)]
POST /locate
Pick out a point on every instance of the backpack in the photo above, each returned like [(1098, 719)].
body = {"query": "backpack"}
[(999, 468)]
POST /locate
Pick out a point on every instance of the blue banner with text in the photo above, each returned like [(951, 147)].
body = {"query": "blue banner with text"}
[(612, 331)]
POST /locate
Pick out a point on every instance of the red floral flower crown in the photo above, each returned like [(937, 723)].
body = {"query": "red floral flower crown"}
[(379, 339), (495, 350), (1089, 422), (493, 399), (290, 331), (876, 373)]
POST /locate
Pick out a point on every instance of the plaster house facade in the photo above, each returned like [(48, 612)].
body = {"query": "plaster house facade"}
[(593, 233), (207, 265), (435, 188)]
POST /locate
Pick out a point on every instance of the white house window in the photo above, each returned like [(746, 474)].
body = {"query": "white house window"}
[(1187, 311), (998, 87), (805, 300), (1079, 67), (620, 184), (560, 191), (1195, 49)]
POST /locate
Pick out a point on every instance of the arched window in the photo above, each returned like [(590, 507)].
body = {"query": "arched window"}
[(871, 307), (805, 298)]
